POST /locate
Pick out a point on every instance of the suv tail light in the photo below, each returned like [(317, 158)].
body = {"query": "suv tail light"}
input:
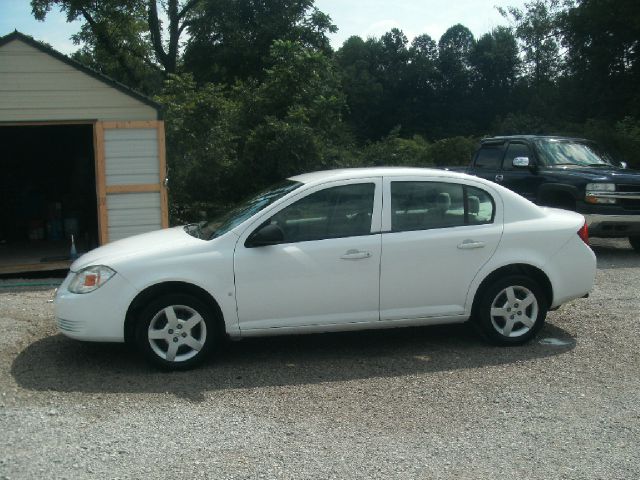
[(583, 233)]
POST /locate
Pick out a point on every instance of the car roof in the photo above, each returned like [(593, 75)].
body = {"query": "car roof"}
[(352, 173), (505, 138)]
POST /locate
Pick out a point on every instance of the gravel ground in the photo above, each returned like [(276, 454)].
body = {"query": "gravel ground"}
[(410, 403)]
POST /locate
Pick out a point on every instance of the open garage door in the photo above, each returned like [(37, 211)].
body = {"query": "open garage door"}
[(130, 173), (47, 195)]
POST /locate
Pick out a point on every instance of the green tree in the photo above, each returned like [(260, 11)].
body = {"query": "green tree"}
[(202, 128), (538, 29), (126, 38), (396, 151), (358, 63), (292, 117), (454, 62), (376, 80), (230, 39), (423, 78), (603, 58), (495, 63)]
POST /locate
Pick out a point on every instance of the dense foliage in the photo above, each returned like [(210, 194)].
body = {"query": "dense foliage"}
[(253, 91)]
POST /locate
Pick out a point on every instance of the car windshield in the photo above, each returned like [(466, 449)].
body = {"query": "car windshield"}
[(222, 224), (567, 152)]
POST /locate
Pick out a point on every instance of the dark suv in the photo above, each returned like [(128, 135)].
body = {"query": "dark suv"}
[(570, 173)]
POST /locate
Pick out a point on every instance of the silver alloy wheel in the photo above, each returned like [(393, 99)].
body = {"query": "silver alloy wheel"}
[(514, 311), (177, 333)]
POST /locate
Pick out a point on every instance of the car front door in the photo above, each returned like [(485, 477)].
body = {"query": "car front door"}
[(522, 180), (325, 270), (437, 234)]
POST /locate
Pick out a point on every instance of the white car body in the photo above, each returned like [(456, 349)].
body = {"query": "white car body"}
[(382, 279)]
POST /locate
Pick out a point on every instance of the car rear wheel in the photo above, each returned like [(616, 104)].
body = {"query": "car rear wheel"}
[(176, 331), (635, 243), (511, 310)]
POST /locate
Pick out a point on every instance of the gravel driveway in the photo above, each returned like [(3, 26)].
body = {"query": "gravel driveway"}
[(410, 403)]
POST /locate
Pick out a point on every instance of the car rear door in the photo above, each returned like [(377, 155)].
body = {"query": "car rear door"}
[(488, 161), (437, 234)]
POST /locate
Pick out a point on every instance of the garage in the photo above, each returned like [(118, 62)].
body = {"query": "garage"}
[(82, 159)]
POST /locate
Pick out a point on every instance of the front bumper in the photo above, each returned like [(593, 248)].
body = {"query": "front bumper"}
[(97, 316), (612, 226)]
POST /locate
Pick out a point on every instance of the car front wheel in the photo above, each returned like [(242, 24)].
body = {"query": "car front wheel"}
[(511, 310), (635, 243), (176, 331)]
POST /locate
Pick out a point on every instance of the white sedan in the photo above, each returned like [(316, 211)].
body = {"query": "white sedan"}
[(332, 251)]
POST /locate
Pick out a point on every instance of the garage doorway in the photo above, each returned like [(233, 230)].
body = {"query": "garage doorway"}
[(47, 194)]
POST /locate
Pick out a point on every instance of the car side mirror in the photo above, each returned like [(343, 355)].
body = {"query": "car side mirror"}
[(270, 234), (521, 162), (623, 165)]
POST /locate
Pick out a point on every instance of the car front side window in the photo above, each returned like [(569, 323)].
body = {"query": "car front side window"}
[(335, 212)]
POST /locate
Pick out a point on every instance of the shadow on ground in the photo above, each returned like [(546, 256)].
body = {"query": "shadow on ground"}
[(614, 253), (59, 364)]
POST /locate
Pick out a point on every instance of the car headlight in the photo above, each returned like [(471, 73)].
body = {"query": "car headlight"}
[(90, 278), (594, 193)]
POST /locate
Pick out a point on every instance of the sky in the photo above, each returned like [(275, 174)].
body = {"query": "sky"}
[(353, 17)]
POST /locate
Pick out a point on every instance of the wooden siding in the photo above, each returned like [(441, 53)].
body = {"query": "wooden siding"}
[(131, 156), (36, 86), (133, 213)]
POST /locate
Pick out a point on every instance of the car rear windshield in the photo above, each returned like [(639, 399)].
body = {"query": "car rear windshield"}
[(244, 210), (568, 152)]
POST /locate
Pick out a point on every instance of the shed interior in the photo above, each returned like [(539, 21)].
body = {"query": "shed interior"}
[(47, 194)]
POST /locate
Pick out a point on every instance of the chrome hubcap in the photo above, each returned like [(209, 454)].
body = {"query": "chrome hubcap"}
[(177, 333), (514, 311)]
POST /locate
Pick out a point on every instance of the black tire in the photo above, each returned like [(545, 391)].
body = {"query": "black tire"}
[(175, 346), (635, 243), (521, 320)]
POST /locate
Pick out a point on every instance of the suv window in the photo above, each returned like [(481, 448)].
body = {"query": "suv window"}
[(334, 212), (489, 156), (427, 205), (515, 150)]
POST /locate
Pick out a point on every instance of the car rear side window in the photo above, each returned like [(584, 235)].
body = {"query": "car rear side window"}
[(489, 156), (480, 206), (335, 212), (429, 205)]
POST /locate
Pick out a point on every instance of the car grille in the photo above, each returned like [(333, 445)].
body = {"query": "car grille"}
[(629, 203), (71, 326)]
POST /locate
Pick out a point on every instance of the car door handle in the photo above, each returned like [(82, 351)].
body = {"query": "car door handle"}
[(355, 255), (499, 177), (470, 245)]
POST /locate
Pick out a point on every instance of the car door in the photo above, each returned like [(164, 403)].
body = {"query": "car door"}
[(437, 234), (522, 180), (325, 271), (487, 162)]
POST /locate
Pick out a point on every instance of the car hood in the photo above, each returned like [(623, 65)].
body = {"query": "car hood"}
[(148, 243), (613, 174)]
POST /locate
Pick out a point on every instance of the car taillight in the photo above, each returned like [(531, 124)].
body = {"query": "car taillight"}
[(583, 233)]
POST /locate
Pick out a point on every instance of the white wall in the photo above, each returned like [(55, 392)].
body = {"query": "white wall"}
[(35, 86), (133, 213)]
